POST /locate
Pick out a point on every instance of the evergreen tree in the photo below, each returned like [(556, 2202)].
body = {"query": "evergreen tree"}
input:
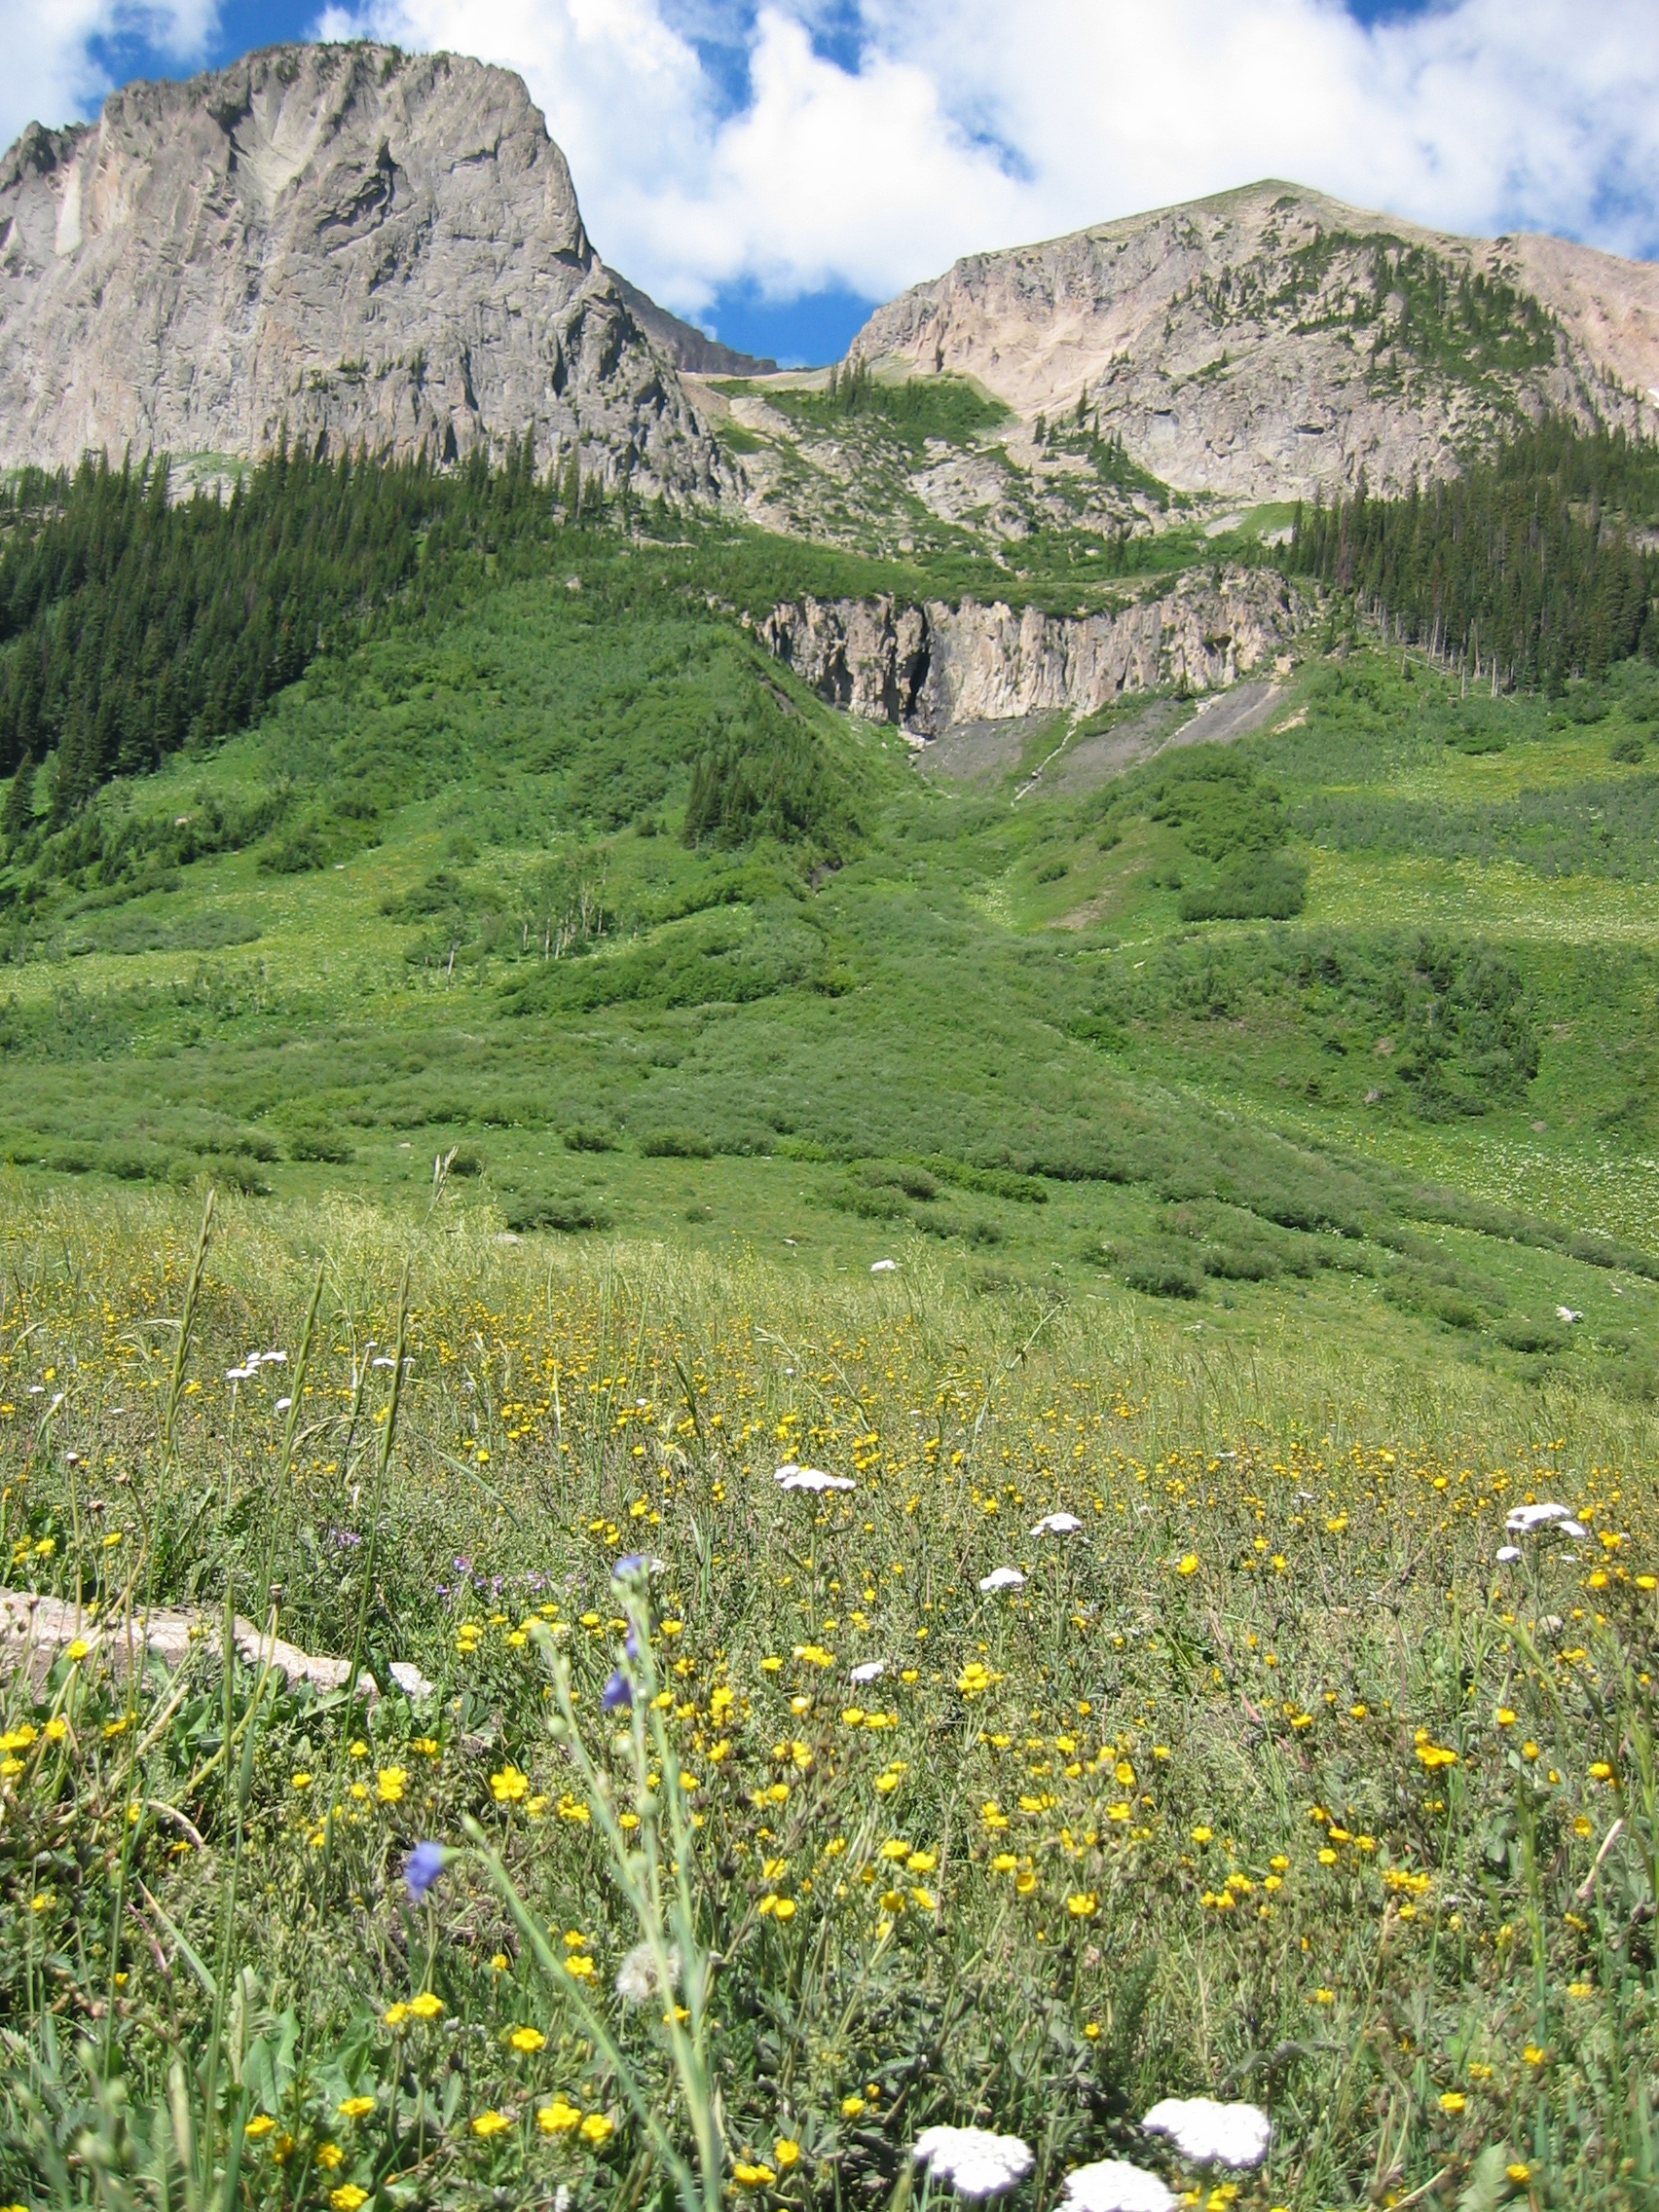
[(1527, 566), (132, 620), (18, 810)]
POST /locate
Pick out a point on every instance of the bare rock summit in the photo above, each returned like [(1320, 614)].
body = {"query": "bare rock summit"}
[(355, 244), (1271, 343)]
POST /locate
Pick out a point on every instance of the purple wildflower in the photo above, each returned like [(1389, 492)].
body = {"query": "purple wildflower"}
[(422, 1869), (617, 1690)]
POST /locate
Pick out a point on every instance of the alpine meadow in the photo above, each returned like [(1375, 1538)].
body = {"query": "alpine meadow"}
[(829, 1314)]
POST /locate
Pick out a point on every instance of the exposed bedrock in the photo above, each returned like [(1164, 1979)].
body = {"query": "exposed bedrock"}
[(358, 246), (931, 667)]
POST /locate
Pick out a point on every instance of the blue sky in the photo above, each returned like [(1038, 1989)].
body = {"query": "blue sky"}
[(773, 167)]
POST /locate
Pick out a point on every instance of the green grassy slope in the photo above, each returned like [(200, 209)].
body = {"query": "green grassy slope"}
[(439, 900)]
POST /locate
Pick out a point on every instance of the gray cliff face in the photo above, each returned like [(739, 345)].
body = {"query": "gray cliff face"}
[(933, 668), (1269, 343), (359, 244), (684, 342)]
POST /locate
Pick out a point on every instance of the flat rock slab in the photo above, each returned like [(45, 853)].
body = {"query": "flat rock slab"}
[(34, 1631), (972, 752), (1093, 759), (1227, 714), (980, 751)]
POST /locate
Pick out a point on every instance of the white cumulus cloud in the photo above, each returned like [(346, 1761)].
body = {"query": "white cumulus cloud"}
[(868, 142), (54, 70), (945, 126)]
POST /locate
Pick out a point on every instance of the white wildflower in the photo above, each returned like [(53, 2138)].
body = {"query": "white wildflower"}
[(1057, 1524), (1003, 1579), (1521, 1519), (1113, 2185), (1568, 1315), (1211, 2133), (883, 1267), (792, 1477), (976, 2162), (1506, 1552), (639, 1976), (872, 1671)]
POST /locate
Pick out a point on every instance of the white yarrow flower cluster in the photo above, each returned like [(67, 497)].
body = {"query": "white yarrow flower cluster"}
[(639, 1976), (1113, 2185), (871, 1671), (792, 1477), (1003, 1579), (254, 1361), (1526, 1520), (975, 2162), (1057, 1524), (1211, 2133)]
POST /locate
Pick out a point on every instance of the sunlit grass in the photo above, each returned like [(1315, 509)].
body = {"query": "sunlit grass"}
[(1270, 1780), (1496, 899)]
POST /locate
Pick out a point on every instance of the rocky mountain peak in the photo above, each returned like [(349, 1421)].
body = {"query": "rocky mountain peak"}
[(1272, 342), (356, 244)]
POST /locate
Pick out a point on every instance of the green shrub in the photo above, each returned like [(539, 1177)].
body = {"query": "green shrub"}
[(991, 1182), (1241, 1262), (1215, 797), (136, 1166), (1161, 1272), (880, 1201), (564, 1210), (590, 1136), (724, 957), (318, 1145), (1257, 887), (1533, 1336), (233, 1174), (301, 852), (914, 1182), (675, 1144), (741, 1142)]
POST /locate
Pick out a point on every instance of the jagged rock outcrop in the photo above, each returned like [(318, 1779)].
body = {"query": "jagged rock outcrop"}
[(686, 346), (934, 667), (1271, 342), (361, 244)]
